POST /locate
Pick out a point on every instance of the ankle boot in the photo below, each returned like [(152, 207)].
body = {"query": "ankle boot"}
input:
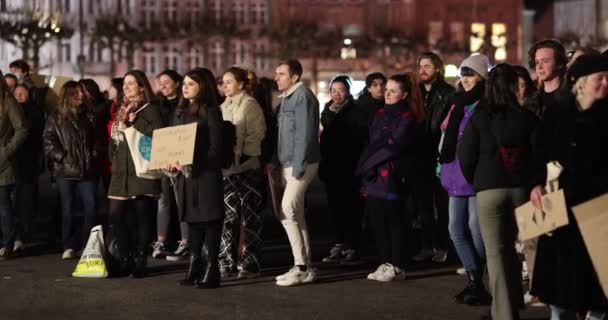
[(141, 261), (477, 294), (460, 297), (211, 277), (195, 271)]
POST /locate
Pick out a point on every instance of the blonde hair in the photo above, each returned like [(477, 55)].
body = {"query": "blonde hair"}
[(576, 88)]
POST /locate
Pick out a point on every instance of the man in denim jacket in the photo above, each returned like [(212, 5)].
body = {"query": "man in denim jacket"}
[(299, 155)]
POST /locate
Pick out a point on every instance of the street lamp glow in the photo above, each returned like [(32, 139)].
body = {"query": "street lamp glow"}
[(25, 31), (57, 30), (48, 34), (348, 42), (451, 71)]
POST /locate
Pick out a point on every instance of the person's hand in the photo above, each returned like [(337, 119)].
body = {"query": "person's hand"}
[(174, 167), (132, 116), (536, 196)]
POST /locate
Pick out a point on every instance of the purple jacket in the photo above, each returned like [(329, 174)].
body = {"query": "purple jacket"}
[(452, 179), (385, 161)]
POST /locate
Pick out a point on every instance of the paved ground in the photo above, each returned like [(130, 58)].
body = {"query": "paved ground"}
[(39, 286)]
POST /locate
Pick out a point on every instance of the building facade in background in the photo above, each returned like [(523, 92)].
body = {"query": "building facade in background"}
[(349, 36)]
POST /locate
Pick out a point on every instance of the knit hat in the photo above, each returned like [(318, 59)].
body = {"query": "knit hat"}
[(587, 64), (478, 63)]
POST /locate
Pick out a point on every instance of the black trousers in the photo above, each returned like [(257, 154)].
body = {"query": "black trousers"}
[(208, 234), (390, 224), (346, 206), (430, 203), (132, 229)]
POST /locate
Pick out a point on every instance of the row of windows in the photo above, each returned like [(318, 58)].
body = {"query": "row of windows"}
[(477, 36)]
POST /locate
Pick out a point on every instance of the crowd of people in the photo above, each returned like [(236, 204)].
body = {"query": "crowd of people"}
[(411, 150)]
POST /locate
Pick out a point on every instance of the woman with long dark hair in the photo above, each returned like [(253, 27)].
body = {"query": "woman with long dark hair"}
[(342, 141), (13, 132), (128, 192), (72, 148), (463, 223), (386, 167), (495, 155), (199, 187)]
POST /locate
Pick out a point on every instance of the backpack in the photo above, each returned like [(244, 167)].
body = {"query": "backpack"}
[(229, 141)]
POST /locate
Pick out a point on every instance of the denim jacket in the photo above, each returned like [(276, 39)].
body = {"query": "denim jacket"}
[(299, 130)]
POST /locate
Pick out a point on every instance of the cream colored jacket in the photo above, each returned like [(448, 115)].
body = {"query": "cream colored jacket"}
[(248, 118)]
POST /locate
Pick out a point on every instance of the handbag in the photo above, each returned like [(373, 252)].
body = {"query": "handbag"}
[(140, 147)]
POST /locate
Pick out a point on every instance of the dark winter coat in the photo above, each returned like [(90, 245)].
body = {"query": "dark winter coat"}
[(30, 154), (124, 182), (70, 146), (436, 108), (495, 150), (200, 196), (387, 163), (342, 141), (368, 106), (13, 132), (563, 273)]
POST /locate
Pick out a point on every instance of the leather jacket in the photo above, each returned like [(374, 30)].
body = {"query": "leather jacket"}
[(70, 146)]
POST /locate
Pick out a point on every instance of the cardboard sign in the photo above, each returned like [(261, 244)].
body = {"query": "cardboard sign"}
[(173, 144), (592, 219), (533, 222)]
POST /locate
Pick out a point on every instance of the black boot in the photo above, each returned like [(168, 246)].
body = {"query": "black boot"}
[(211, 278), (477, 294), (141, 261), (195, 271)]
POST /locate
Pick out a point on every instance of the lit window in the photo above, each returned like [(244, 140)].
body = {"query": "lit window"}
[(499, 41), (478, 34), (435, 32)]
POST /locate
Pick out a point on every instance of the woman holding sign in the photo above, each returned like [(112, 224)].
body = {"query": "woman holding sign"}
[(199, 186), (575, 136), (244, 181), (127, 191), (72, 147)]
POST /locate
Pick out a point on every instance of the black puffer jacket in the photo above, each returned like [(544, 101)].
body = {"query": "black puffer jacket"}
[(70, 146), (436, 107)]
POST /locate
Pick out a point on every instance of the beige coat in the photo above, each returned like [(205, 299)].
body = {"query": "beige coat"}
[(248, 118)]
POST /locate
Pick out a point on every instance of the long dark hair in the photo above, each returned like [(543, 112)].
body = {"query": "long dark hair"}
[(176, 77), (500, 88), (525, 75), (207, 98), (117, 83), (66, 107), (408, 83), (142, 81), (92, 88)]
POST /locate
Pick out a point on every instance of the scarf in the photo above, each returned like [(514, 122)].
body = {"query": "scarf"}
[(460, 101), (121, 118)]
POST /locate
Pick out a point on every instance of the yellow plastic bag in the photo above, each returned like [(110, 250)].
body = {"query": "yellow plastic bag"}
[(92, 263)]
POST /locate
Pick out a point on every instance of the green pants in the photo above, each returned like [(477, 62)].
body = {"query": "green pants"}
[(496, 211)]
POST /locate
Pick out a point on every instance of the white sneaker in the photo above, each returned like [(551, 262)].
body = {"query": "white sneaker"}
[(68, 254), (532, 301), (18, 245), (298, 277), (283, 276), (461, 271), (380, 271), (392, 273)]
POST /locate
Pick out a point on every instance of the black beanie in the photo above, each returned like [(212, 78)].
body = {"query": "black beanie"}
[(587, 64)]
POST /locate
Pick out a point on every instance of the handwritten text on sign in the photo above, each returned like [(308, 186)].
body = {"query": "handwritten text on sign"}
[(173, 144)]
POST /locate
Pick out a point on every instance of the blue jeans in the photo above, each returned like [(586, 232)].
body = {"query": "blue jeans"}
[(67, 190), (559, 313), (7, 216), (465, 234)]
